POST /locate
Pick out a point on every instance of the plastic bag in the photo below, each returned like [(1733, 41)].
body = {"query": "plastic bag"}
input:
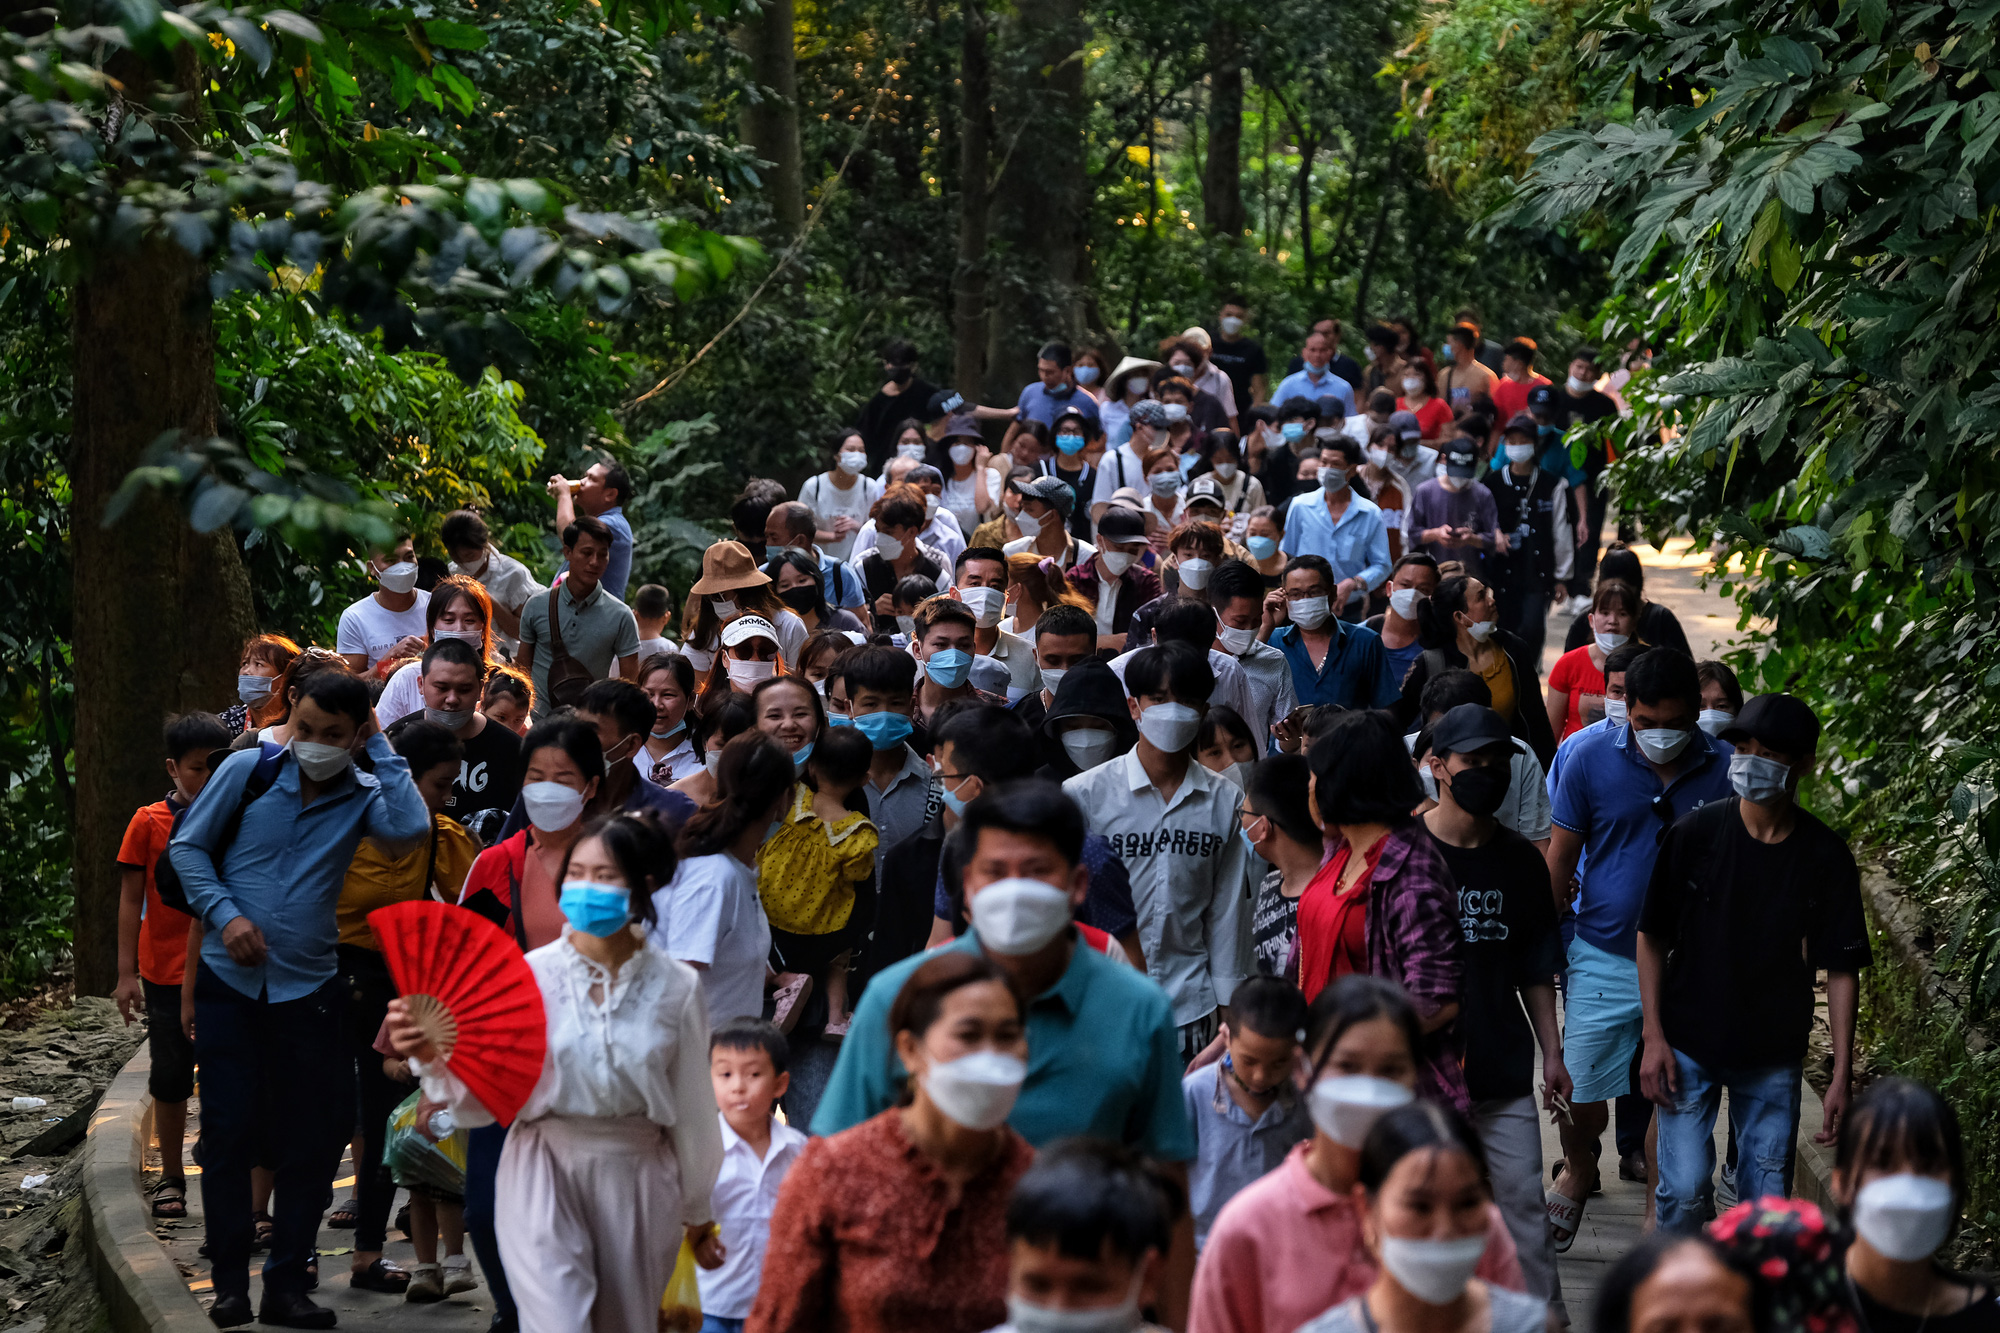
[(680, 1308), (415, 1160)]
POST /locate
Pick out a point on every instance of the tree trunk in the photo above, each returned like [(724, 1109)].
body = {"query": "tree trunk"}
[(161, 611), (1307, 147), (771, 124), (975, 151), (1222, 173), (1040, 210)]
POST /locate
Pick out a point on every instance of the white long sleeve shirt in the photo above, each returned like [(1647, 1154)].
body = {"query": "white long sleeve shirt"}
[(1185, 863), (640, 1049)]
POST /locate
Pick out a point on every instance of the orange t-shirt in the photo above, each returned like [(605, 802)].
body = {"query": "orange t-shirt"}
[(163, 932)]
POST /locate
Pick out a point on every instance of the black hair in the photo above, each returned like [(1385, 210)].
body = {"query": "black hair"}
[(1522, 350), (913, 590), (804, 563), (747, 515), (1358, 997), (194, 731), (1295, 408), (1031, 806), (939, 609), (1435, 626), (1620, 659), (424, 745), (1585, 354), (1056, 352), (508, 682), (841, 755), (1450, 688), (1184, 620), (462, 530), (1615, 590), (573, 736), (1611, 1312), (989, 553), (1224, 718), (1270, 1007), (1347, 447), (1718, 672), (1384, 336), (338, 692), (1066, 622), (727, 720), (897, 352), (1424, 558), (1661, 674), (1233, 579), (753, 1034), (752, 776), (456, 652), (1382, 400), (1413, 1128), (644, 850), (623, 702), (1277, 784), (1363, 772), (1318, 564), (675, 665), (765, 686), (882, 670), (616, 478), (1083, 1195), (990, 741), (1172, 668), (1222, 438), (586, 525), (1901, 1121)]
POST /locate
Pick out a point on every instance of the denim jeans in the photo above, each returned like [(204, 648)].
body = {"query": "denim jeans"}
[(1763, 1104), (716, 1324), (276, 1089)]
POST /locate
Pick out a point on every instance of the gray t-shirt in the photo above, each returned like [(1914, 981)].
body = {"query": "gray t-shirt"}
[(596, 632), (1513, 1312)]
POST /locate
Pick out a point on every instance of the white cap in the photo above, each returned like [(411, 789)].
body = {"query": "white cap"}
[(747, 627)]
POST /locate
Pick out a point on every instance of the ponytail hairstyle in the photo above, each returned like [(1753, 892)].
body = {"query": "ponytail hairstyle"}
[(753, 775), (1043, 583), (1435, 626), (644, 851)]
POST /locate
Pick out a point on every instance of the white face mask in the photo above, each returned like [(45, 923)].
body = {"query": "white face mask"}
[(1030, 526), (1087, 747), (552, 806), (1052, 678), (1165, 484), (321, 762), (1607, 642), (398, 579), (473, 637), (1346, 1107), (852, 463), (1614, 709), (1905, 1217), (986, 605), (1403, 601), (712, 761), (1117, 562), (1520, 453), (1194, 572), (1138, 384), (1170, 727), (1225, 471), (1576, 385), (1231, 325), (1309, 612), (1433, 1271), (1663, 745), (723, 607), (747, 675), (907, 624), (1713, 720), (889, 548), (451, 719), (1378, 456), (911, 451), (1236, 642), (977, 1090), (1413, 385), (1176, 412), (1481, 630), (1016, 917), (1184, 369), (961, 454), (1120, 1318)]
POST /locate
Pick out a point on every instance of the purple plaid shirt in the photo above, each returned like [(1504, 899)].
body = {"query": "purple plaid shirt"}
[(1413, 938)]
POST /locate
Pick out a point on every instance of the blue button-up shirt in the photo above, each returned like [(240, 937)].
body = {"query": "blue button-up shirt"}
[(1604, 794), (1038, 404), (841, 582), (1103, 1058), (1357, 546), (285, 869), (1301, 384), (1234, 1149), (1354, 674)]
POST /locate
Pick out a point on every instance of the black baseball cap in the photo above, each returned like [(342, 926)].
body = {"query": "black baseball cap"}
[(1469, 727), (1782, 721), (943, 403), (1542, 395), (1523, 424), (1461, 459)]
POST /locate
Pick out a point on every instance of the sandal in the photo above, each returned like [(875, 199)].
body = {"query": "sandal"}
[(838, 1029), (344, 1217), (1565, 1217), (264, 1230), (789, 1002), (382, 1276), (170, 1199)]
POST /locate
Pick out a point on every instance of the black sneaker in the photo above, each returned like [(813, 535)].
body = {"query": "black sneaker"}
[(229, 1310), (294, 1310)]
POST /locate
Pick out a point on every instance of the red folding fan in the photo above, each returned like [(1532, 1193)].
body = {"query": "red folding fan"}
[(473, 994)]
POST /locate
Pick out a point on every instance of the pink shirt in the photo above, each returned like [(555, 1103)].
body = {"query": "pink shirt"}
[(1288, 1248)]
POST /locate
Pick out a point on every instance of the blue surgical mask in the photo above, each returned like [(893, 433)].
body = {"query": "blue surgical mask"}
[(1086, 374), (948, 667), (675, 730), (838, 719), (774, 553), (1263, 548), (595, 909), (253, 690), (805, 753), (1293, 431), (1070, 444), (1248, 845), (953, 801), (885, 731)]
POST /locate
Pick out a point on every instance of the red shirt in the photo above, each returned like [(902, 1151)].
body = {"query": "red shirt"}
[(1577, 675), (163, 932), (490, 890), (1333, 926), (1434, 416), (1510, 398)]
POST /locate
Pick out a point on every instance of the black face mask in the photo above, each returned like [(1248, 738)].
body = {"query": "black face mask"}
[(901, 374), (803, 598), (1479, 791)]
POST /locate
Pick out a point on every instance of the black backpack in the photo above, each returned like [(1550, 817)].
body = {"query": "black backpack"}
[(270, 758)]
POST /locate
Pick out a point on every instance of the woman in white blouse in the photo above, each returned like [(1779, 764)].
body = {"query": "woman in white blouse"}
[(617, 1149)]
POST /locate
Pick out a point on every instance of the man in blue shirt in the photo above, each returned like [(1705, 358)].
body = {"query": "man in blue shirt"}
[(602, 494), (1340, 527), (1317, 380), (1332, 662), (276, 1078), (1619, 791), (1053, 392)]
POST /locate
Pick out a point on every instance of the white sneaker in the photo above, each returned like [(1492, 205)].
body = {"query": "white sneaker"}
[(458, 1275)]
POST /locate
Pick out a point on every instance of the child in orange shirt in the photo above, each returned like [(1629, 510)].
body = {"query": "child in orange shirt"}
[(153, 947)]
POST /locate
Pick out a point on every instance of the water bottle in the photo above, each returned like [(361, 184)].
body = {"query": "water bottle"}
[(443, 1122), (29, 1103)]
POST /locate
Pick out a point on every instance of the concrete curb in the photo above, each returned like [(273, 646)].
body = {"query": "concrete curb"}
[(142, 1289), (1812, 1173)]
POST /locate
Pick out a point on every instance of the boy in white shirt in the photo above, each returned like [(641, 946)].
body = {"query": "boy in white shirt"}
[(746, 1064)]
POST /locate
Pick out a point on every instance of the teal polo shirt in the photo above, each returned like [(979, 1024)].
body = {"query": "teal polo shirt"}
[(1103, 1059)]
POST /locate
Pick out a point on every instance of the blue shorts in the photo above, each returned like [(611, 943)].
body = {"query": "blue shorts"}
[(1601, 1026)]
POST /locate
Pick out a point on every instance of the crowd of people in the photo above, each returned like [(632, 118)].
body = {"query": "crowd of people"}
[(1149, 790)]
